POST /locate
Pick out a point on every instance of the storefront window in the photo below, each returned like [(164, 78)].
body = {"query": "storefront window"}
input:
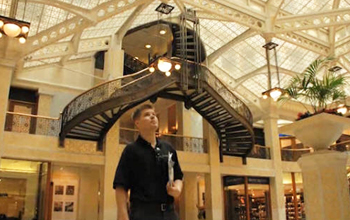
[(22, 189), (246, 198), (294, 196)]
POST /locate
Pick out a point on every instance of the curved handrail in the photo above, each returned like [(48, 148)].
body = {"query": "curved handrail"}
[(107, 88)]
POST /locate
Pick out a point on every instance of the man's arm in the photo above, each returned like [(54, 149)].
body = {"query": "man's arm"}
[(122, 197), (174, 189)]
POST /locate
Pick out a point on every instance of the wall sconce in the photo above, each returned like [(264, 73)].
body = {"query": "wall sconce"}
[(275, 92), (14, 28), (164, 65)]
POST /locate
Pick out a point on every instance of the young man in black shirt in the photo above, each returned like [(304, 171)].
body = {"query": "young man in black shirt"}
[(143, 168)]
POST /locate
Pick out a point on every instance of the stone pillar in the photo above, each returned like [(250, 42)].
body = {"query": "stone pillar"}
[(326, 189), (114, 60), (190, 197), (213, 181), (272, 141), (112, 156), (6, 72), (44, 103)]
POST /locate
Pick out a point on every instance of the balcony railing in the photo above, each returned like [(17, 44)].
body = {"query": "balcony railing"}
[(32, 124), (293, 154), (180, 143), (261, 152)]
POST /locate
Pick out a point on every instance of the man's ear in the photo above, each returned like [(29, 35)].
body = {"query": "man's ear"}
[(136, 122)]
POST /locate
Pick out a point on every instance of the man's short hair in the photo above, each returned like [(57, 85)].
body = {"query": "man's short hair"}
[(137, 113)]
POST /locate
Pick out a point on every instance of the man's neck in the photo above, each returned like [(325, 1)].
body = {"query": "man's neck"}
[(149, 137)]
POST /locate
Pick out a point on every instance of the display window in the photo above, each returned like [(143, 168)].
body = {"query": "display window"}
[(247, 198), (294, 196)]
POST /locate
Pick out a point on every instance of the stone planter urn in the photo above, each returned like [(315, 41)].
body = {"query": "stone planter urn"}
[(326, 189)]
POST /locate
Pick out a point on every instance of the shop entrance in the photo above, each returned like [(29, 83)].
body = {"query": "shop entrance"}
[(247, 198), (24, 187)]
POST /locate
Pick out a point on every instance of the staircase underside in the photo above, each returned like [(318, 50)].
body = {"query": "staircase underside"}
[(92, 114)]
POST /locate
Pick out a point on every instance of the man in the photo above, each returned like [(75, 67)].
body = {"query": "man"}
[(143, 168)]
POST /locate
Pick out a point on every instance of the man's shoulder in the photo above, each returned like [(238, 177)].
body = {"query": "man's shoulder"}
[(166, 145), (130, 147)]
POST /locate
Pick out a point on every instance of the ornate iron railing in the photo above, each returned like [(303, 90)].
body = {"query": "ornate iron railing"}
[(342, 146), (237, 104), (179, 142), (98, 94), (103, 92), (294, 154), (260, 152), (32, 124), (133, 63)]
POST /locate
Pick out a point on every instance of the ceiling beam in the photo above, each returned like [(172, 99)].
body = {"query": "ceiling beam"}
[(216, 54), (320, 19), (304, 42), (232, 12), (79, 11), (77, 24), (180, 5), (67, 48), (273, 8)]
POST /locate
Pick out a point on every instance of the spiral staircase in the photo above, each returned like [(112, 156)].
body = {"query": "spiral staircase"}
[(90, 115)]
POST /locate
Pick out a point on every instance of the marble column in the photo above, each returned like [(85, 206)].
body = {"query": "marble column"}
[(114, 60), (326, 189), (44, 103), (213, 180), (112, 155), (190, 196), (272, 141), (6, 72), (114, 64)]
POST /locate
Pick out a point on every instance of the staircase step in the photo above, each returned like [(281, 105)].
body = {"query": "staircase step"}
[(195, 96), (78, 128), (201, 100), (208, 105), (219, 116)]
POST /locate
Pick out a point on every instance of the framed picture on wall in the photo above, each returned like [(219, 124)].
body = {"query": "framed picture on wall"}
[(70, 190), (58, 206), (69, 207), (59, 189)]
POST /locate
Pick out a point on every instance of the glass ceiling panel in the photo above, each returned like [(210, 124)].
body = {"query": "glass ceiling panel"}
[(256, 87), (41, 17), (107, 27), (345, 63), (344, 4), (150, 14), (5, 6), (303, 7), (244, 57), (243, 65), (218, 33)]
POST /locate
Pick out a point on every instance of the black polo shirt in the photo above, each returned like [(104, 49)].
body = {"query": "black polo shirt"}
[(144, 170)]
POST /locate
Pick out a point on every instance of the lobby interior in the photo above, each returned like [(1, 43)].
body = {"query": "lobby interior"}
[(67, 94)]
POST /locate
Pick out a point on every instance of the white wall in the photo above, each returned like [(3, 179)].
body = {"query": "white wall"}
[(76, 75)]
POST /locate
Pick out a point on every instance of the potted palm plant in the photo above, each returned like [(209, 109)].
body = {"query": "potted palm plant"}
[(320, 92), (322, 129)]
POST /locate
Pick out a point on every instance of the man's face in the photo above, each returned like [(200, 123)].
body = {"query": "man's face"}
[(147, 121)]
